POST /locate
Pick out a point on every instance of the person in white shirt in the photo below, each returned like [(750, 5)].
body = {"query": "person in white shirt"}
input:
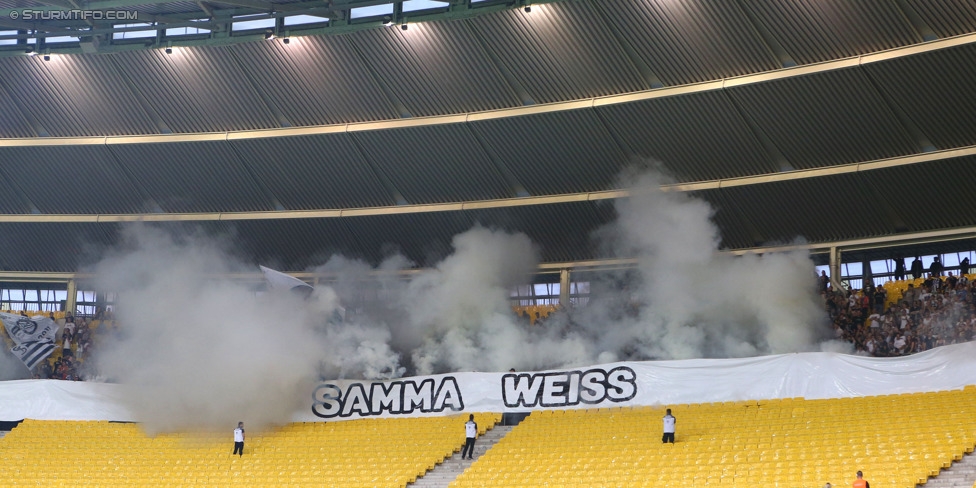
[(239, 439), (470, 433), (69, 325), (669, 422), (900, 342), (874, 321)]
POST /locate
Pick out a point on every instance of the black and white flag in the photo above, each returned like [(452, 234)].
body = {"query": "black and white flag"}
[(32, 353), (29, 329), (33, 337)]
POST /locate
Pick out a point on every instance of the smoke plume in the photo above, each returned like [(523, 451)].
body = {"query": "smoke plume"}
[(10, 367), (203, 350), (686, 299), (683, 299), (199, 350), (461, 307)]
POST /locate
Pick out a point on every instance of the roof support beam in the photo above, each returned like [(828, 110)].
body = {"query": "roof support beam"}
[(5, 22), (206, 9), (69, 5), (499, 203), (264, 6), (589, 265), (164, 19)]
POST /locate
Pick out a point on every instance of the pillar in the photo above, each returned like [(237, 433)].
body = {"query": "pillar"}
[(564, 288), (71, 303), (835, 269)]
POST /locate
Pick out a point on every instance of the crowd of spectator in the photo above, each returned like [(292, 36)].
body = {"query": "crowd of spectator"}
[(907, 316), (75, 347), (899, 318)]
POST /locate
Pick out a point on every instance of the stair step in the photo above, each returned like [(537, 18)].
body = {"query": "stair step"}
[(961, 474), (442, 475)]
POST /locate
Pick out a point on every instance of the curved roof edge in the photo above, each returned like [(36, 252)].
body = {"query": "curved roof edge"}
[(915, 238), (504, 113)]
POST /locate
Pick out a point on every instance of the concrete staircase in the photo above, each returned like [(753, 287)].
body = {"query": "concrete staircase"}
[(444, 473), (962, 474)]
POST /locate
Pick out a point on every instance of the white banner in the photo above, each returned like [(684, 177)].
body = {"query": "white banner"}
[(809, 375), (62, 400)]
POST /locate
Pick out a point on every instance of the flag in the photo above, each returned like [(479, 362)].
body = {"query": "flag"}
[(280, 281), (33, 337), (29, 329), (31, 353)]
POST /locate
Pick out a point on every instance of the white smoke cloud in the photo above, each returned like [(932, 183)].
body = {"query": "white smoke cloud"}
[(199, 350), (686, 299), (10, 367), (206, 351), (461, 307), (683, 299)]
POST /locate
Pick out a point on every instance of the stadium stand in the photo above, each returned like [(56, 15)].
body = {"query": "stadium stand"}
[(535, 314), (897, 440), (788, 443), (893, 321), (374, 452)]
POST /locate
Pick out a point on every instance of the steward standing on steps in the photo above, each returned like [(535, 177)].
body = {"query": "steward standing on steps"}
[(470, 432)]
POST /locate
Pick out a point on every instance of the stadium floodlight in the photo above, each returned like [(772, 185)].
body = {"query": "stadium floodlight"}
[(286, 40), (169, 48), (527, 6), (47, 57), (403, 26), (269, 35)]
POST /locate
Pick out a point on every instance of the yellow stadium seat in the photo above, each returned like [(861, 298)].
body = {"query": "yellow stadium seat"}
[(300, 454)]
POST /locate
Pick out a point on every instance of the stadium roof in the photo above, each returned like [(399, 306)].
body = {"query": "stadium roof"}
[(834, 121)]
